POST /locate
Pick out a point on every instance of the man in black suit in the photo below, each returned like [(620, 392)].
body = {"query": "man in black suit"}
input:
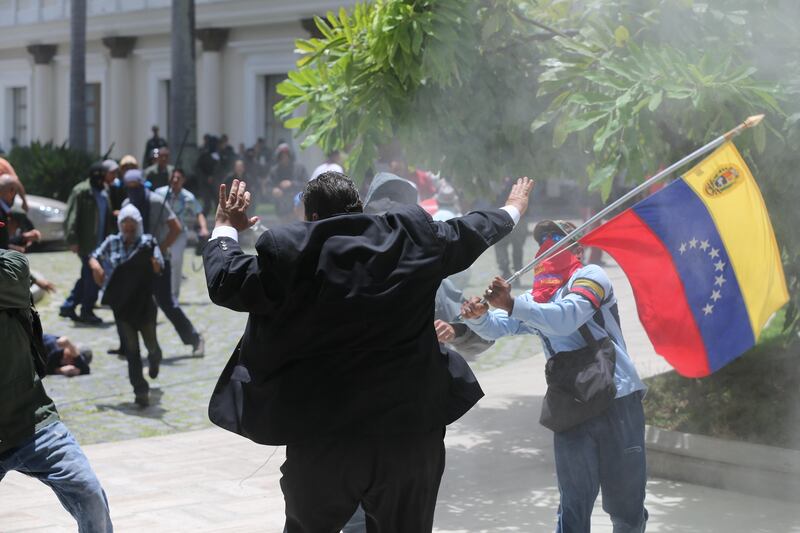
[(339, 359)]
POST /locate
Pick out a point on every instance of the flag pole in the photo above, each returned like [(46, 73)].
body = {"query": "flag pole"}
[(571, 239), (578, 232)]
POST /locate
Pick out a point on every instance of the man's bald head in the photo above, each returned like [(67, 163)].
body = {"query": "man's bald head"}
[(8, 188)]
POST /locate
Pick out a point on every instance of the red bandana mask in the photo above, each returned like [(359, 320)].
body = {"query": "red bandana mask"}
[(553, 273)]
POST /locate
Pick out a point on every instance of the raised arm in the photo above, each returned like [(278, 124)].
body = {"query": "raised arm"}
[(467, 237), (583, 298), (235, 280)]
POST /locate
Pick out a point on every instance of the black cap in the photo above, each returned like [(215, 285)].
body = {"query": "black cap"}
[(97, 173)]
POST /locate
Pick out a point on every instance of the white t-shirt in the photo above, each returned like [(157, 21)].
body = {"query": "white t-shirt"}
[(325, 167)]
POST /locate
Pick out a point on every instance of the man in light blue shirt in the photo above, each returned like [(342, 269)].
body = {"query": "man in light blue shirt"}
[(606, 451), (190, 213)]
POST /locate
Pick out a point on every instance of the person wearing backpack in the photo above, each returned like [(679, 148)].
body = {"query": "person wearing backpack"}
[(598, 441), (33, 440)]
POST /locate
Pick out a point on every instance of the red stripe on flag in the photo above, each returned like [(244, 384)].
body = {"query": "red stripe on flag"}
[(660, 294)]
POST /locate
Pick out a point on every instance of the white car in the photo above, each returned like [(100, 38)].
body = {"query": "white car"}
[(47, 216)]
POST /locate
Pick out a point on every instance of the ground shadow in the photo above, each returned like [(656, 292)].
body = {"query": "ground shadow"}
[(154, 410), (82, 325), (169, 361)]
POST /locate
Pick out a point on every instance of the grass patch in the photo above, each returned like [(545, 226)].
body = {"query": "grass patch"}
[(755, 398)]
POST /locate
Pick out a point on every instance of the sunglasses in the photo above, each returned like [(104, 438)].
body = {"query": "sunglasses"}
[(554, 236)]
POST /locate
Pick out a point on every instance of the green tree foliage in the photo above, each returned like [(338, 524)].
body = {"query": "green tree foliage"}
[(603, 90)]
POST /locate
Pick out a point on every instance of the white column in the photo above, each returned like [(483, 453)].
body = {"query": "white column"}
[(209, 86), (42, 94), (119, 108), (209, 112), (42, 102), (120, 105)]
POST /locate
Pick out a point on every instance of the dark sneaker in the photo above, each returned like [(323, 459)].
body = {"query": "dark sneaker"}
[(142, 399), (152, 369), (90, 319), (69, 312), (116, 351), (199, 348)]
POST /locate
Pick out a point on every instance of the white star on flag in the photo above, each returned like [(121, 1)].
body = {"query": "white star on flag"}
[(693, 243), (719, 265), (682, 249), (714, 253), (719, 280), (708, 309), (716, 295), (704, 245)]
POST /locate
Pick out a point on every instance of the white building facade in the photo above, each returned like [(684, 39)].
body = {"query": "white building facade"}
[(244, 48)]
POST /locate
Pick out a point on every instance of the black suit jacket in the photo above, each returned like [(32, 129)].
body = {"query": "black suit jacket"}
[(340, 336)]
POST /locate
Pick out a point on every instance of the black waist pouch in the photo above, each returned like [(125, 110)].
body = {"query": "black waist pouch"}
[(580, 383)]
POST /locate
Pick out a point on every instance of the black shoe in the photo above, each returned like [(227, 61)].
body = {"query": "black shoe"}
[(116, 351), (152, 369), (90, 319), (69, 312), (142, 399)]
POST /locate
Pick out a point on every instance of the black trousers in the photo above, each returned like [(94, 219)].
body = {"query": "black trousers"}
[(130, 334), (395, 477), (162, 290)]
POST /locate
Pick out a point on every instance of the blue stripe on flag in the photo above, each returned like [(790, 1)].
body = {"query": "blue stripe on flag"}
[(682, 222)]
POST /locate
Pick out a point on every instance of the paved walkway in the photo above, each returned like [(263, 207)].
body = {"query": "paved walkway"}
[(499, 477)]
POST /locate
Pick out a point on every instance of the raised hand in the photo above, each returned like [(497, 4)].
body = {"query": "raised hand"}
[(520, 194), (232, 208)]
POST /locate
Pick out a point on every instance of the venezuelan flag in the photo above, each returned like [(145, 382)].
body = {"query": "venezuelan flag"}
[(703, 262)]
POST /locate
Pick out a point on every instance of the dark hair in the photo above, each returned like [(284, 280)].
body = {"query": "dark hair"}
[(179, 170), (331, 193)]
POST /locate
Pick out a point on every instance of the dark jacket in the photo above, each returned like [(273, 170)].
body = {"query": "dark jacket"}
[(24, 404), (158, 177), (151, 144), (389, 190), (340, 336), (81, 221), (129, 291)]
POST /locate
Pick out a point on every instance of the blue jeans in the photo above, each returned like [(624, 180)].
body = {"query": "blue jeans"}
[(53, 457), (606, 452), (85, 291), (357, 522)]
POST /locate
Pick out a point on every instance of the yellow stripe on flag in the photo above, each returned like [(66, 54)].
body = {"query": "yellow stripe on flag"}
[(727, 188)]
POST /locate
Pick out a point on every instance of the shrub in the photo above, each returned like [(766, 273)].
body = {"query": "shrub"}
[(50, 170)]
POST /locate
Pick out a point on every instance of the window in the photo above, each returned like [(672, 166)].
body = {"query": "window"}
[(93, 117), (274, 132), (19, 116)]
